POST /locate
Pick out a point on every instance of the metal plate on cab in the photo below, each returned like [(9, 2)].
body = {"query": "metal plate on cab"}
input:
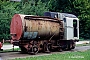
[(30, 35)]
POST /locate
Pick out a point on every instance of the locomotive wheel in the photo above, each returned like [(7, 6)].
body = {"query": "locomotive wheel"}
[(60, 49), (50, 47), (23, 49), (73, 45), (69, 46), (46, 48), (34, 50)]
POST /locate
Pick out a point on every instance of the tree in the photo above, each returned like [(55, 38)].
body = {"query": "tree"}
[(34, 8), (81, 9), (8, 9), (6, 13)]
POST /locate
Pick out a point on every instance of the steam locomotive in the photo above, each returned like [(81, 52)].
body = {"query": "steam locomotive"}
[(52, 32)]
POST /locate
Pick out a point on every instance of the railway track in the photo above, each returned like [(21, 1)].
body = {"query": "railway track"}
[(12, 55)]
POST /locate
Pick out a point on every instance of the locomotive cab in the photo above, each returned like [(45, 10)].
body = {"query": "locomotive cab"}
[(70, 24)]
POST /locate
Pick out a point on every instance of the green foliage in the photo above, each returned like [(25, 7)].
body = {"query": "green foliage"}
[(34, 8), (82, 8), (8, 9)]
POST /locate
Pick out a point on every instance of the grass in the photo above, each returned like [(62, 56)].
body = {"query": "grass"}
[(85, 55)]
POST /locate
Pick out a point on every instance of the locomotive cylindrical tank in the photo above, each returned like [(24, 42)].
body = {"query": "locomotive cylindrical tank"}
[(30, 27)]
